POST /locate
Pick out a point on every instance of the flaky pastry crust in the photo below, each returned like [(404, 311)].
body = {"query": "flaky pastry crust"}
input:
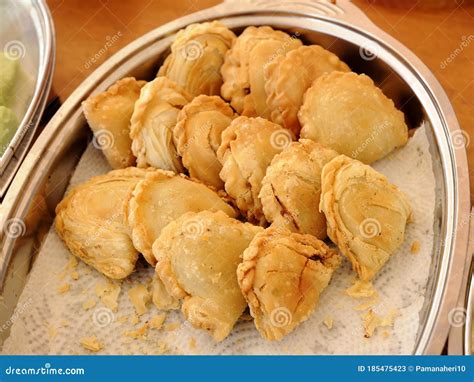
[(197, 257), (198, 136), (291, 188), (90, 220), (366, 215), (108, 115), (162, 197), (282, 276), (245, 62), (348, 113), (247, 149), (288, 78), (152, 123), (197, 55)]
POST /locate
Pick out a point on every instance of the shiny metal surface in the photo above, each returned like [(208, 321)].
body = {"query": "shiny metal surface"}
[(341, 28), (40, 43)]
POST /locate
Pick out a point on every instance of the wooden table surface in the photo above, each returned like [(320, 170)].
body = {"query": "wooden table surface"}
[(433, 29)]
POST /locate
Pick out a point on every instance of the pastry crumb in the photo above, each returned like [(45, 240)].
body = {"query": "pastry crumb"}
[(138, 333), (108, 292), (122, 319), (139, 296), (157, 321), (89, 304), (415, 247), (328, 321), (385, 334), (92, 344), (64, 288), (192, 343), (75, 275), (367, 305), (361, 289), (372, 321), (134, 319), (64, 323)]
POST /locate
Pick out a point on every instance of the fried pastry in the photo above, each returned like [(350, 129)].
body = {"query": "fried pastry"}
[(282, 276), (288, 77), (152, 123), (197, 257), (366, 215), (197, 55), (90, 220), (198, 136), (291, 188), (108, 115), (243, 69), (162, 197), (248, 146), (348, 113)]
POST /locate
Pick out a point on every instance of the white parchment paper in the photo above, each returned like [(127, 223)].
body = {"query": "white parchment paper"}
[(48, 322)]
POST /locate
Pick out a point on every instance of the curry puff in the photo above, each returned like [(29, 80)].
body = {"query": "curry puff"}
[(162, 197), (348, 113), (282, 276), (198, 135), (244, 66), (90, 220), (197, 55), (152, 123), (366, 215), (197, 257), (247, 149), (291, 188), (108, 115), (285, 86)]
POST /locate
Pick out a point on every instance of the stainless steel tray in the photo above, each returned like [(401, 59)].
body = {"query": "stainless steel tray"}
[(341, 28), (34, 37)]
